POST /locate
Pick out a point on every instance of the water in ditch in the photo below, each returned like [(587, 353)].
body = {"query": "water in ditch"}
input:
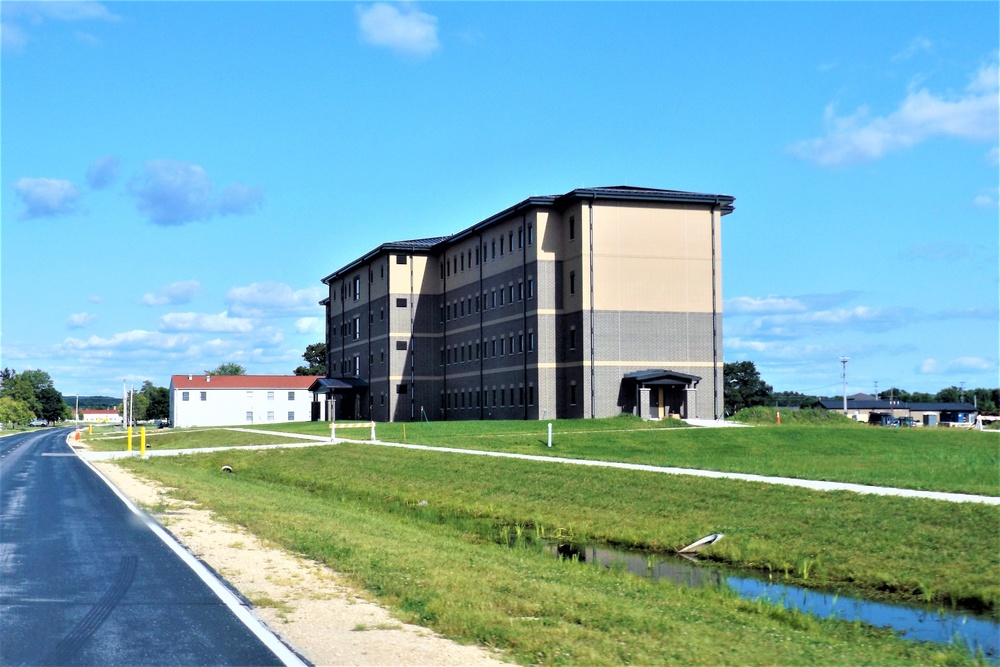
[(978, 633)]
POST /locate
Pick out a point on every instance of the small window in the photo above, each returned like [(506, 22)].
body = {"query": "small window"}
[(185, 396), (249, 416), (572, 282), (401, 303), (572, 228), (204, 395), (291, 395), (401, 388), (531, 288), (401, 345), (400, 259), (270, 416), (357, 328), (531, 341), (520, 237), (291, 416), (357, 287), (270, 395), (531, 235), (572, 338), (531, 390), (572, 393)]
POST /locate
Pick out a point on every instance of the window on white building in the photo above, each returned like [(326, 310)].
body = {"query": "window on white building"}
[(270, 416), (185, 396)]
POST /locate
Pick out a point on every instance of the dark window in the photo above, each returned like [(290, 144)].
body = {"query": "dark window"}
[(401, 388), (400, 259), (572, 282), (572, 228), (572, 394), (401, 303), (400, 344)]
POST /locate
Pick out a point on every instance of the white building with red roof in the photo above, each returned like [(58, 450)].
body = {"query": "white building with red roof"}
[(239, 400), (101, 417)]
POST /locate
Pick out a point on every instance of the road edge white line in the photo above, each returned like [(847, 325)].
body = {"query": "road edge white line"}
[(252, 623)]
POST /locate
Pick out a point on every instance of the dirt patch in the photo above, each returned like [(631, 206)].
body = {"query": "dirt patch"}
[(303, 602)]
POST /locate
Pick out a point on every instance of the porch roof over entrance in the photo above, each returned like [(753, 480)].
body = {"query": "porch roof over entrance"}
[(330, 385), (661, 377)]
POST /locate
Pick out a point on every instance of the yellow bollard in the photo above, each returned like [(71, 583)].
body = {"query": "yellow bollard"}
[(90, 429), (130, 438), (404, 432), (142, 441)]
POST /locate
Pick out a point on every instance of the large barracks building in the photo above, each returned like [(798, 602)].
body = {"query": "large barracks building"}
[(588, 304)]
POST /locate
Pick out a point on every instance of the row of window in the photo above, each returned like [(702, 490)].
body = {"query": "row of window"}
[(505, 396), (270, 416), (186, 395), (463, 260), (498, 346), (494, 298)]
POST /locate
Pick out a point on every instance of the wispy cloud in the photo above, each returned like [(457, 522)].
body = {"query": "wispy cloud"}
[(205, 322), (309, 325), (137, 339), (46, 197), (915, 47), (173, 294), (952, 366), (403, 29), (18, 15), (272, 299), (80, 320), (171, 192), (102, 172), (922, 115)]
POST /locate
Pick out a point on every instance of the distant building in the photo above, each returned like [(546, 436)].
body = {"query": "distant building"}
[(101, 417), (588, 304), (239, 400), (861, 406)]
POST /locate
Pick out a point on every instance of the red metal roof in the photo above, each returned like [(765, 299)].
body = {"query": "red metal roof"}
[(242, 381), (99, 412)]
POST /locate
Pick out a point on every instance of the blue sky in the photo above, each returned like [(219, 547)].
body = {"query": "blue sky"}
[(177, 178)]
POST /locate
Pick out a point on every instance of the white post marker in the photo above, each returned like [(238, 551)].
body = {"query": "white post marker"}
[(550, 434)]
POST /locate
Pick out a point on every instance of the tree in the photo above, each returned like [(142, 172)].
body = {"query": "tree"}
[(13, 411), (743, 387), (230, 368), (315, 356), (53, 408), (158, 401)]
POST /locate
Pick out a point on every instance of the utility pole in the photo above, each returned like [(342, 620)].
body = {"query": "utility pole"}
[(961, 391), (876, 390), (843, 377)]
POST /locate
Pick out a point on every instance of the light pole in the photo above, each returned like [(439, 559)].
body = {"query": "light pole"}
[(843, 377)]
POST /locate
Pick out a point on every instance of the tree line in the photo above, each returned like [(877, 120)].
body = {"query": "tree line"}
[(744, 388)]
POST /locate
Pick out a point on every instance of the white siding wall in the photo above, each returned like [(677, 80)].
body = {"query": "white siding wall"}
[(229, 407)]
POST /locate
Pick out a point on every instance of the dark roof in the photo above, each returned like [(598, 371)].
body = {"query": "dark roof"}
[(872, 404), (326, 385), (612, 193), (660, 376)]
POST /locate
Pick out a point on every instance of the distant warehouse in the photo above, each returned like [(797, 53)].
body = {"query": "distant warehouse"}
[(588, 304)]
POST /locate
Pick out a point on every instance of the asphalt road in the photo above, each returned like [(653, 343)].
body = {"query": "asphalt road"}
[(85, 580)]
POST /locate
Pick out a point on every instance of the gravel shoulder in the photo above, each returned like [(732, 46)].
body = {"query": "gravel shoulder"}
[(303, 602)]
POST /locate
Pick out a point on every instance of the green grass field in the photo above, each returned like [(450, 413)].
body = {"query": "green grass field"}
[(938, 459), (358, 509)]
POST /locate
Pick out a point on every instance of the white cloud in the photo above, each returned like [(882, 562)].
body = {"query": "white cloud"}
[(16, 14), (171, 192), (404, 29), (961, 364), (271, 299), (201, 322), (768, 304), (128, 340), (80, 320), (46, 197), (173, 294), (309, 325), (861, 137)]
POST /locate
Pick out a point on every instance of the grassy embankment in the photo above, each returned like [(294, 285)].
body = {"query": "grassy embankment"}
[(808, 445), (356, 508)]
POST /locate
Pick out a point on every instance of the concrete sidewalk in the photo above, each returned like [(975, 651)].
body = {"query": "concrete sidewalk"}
[(813, 485)]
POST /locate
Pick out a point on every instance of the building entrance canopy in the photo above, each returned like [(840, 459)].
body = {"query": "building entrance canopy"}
[(658, 393)]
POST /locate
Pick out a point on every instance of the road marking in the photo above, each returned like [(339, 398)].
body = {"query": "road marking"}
[(254, 624)]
